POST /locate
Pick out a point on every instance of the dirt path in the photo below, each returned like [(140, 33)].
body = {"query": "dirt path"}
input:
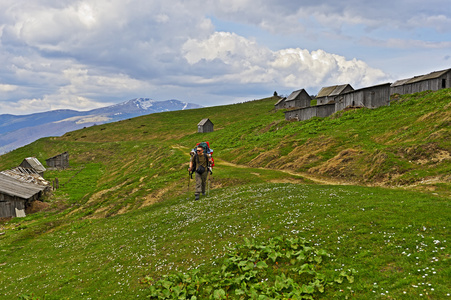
[(322, 180), (325, 181)]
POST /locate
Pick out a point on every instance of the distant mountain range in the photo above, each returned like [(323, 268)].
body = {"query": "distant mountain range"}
[(17, 131)]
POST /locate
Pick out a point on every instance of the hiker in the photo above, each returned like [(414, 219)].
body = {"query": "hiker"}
[(200, 164)]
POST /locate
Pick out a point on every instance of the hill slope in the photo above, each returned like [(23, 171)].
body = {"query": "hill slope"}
[(125, 209), (406, 143)]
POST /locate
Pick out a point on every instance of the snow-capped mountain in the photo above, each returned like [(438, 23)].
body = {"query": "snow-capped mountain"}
[(17, 131)]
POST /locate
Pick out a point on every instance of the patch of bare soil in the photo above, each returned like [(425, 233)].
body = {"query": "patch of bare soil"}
[(36, 206), (98, 195), (157, 195)]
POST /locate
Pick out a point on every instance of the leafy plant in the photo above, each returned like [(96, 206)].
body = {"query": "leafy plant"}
[(288, 268)]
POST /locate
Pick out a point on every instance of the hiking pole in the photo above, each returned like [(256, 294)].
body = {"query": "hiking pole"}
[(209, 180), (189, 180)]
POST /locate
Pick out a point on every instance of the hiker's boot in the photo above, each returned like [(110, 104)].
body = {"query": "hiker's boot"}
[(203, 193), (196, 196)]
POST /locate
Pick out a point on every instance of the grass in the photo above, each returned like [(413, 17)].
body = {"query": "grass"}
[(395, 240), (124, 211)]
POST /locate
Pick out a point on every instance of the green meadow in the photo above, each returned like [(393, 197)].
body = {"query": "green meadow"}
[(353, 206)]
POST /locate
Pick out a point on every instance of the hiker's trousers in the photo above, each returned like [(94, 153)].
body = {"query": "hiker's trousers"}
[(201, 182)]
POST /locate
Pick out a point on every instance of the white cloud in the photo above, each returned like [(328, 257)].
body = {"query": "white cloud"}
[(296, 68), (228, 47), (50, 102), (80, 53), (8, 87)]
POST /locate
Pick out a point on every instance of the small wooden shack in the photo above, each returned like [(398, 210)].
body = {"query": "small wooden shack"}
[(433, 81), (328, 94), (297, 99), (33, 163), (60, 161), (17, 191), (281, 104), (205, 125), (306, 113), (369, 97)]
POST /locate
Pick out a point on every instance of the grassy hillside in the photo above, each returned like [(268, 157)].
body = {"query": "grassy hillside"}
[(124, 211)]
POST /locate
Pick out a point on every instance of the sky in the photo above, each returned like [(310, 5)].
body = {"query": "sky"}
[(81, 55)]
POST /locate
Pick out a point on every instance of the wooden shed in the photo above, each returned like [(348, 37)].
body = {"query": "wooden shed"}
[(33, 163), (16, 194), (306, 113), (328, 94), (60, 161), (369, 97), (205, 125), (281, 104), (297, 99), (433, 81)]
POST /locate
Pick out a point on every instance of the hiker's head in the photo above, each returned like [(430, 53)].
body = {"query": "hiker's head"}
[(200, 150)]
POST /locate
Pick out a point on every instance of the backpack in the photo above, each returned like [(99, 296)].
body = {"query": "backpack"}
[(207, 150)]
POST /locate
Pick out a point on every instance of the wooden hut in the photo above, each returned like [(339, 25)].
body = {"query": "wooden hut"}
[(16, 193), (60, 161), (369, 97), (433, 81), (297, 99), (33, 163), (281, 104), (328, 94), (306, 113), (205, 125)]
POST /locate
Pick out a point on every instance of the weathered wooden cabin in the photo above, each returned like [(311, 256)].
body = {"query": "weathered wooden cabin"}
[(16, 193), (299, 98), (433, 81), (369, 97), (281, 104), (60, 161), (306, 113), (33, 163), (205, 125), (328, 94)]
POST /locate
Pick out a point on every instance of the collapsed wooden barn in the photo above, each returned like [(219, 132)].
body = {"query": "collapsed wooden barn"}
[(34, 164), (18, 190)]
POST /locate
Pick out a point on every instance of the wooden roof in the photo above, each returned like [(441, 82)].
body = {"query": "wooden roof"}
[(281, 100), (433, 75), (332, 90), (295, 94), (204, 121), (58, 155), (35, 164), (388, 84), (26, 175), (15, 187)]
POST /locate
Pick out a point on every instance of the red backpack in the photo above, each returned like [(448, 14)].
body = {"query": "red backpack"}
[(207, 150)]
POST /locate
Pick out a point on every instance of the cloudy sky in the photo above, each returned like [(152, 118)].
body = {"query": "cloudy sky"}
[(65, 54)]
